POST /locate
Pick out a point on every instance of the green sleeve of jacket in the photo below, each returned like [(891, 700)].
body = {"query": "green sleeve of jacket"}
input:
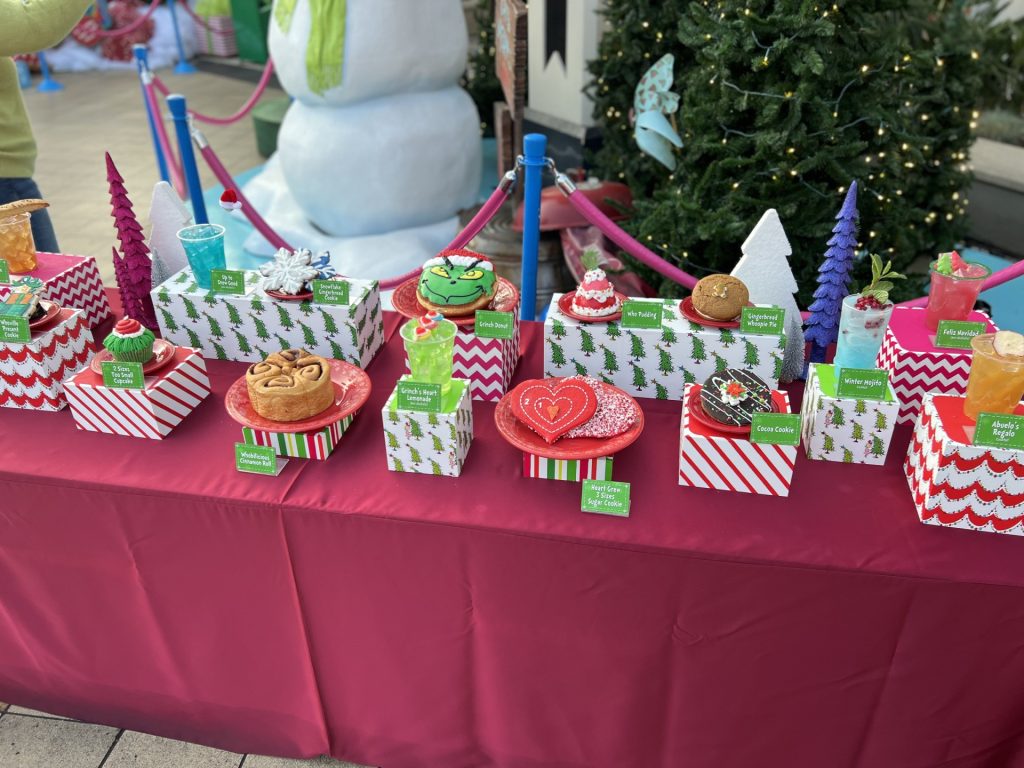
[(27, 26)]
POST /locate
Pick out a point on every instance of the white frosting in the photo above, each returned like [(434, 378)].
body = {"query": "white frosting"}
[(462, 261), (593, 275), (133, 335), (602, 295)]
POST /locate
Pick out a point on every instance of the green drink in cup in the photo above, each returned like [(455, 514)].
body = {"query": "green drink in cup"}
[(430, 346)]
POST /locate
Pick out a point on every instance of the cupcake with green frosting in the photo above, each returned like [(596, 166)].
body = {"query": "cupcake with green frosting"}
[(130, 342)]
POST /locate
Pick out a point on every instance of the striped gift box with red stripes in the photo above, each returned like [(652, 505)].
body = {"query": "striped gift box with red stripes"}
[(301, 445), (709, 459), (168, 397), (574, 470)]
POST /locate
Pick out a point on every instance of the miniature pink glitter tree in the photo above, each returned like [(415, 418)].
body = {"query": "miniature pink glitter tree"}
[(133, 268)]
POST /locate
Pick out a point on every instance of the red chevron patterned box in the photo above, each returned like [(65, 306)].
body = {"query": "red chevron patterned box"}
[(711, 459), (957, 484), (32, 375), (168, 397), (71, 281), (917, 366)]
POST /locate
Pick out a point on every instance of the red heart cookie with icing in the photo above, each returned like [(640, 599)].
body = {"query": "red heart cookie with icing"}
[(552, 407)]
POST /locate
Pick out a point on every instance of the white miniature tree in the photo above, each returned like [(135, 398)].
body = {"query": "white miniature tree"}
[(765, 270), (167, 214)]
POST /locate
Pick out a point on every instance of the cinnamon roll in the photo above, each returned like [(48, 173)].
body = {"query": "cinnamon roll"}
[(290, 385)]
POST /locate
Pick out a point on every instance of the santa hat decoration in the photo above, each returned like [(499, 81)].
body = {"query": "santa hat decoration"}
[(229, 201)]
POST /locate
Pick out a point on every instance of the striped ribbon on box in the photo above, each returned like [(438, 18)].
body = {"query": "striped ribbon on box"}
[(575, 470), (300, 445)]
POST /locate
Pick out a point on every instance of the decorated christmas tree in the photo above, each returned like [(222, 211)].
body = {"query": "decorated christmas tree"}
[(833, 280), (133, 269)]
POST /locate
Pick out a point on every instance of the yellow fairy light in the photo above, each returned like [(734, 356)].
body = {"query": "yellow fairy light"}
[(735, 185), (791, 150), (975, 55), (864, 68), (842, 190), (940, 63)]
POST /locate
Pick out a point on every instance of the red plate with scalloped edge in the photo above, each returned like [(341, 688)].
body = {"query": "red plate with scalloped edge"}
[(565, 307), (163, 353), (351, 390), (525, 439), (304, 296), (700, 415), (506, 297), (691, 314), (50, 310)]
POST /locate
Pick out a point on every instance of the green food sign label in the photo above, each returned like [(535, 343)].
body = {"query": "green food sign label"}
[(15, 329), (642, 314), (227, 281), (494, 325), (763, 320), (1000, 430), (5, 271), (258, 459), (331, 292), (863, 384), (118, 375), (419, 396), (605, 497), (957, 334), (775, 428)]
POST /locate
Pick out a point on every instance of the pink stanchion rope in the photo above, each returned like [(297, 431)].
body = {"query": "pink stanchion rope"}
[(197, 18), (245, 109), (1004, 275), (120, 31), (173, 167)]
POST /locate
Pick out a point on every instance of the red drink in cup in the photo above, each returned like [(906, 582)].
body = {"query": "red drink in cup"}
[(955, 288)]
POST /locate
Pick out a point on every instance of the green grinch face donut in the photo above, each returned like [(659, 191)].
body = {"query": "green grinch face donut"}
[(457, 278)]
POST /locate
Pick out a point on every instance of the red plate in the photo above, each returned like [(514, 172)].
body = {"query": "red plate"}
[(351, 390), (691, 314), (565, 307), (404, 300), (700, 415), (51, 311), (289, 296), (163, 353), (525, 439)]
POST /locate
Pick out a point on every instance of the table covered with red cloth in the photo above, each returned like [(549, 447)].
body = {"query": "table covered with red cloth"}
[(414, 621)]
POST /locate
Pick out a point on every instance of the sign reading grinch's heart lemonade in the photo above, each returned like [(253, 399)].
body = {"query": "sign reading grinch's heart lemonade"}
[(605, 497), (1000, 430), (418, 396), (642, 314), (770, 320)]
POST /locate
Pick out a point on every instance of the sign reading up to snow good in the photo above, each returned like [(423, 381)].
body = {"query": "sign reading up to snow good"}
[(775, 428), (763, 320), (330, 292), (118, 375), (419, 396), (863, 384), (15, 329), (605, 497), (957, 334), (642, 314), (230, 281), (1000, 430), (494, 325), (5, 272)]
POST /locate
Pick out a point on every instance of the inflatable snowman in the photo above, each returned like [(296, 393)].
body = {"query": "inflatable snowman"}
[(380, 147)]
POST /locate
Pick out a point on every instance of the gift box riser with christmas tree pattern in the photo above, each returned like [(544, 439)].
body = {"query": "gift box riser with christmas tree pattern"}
[(956, 484), (712, 460), (74, 282), (573, 470), (428, 443), (250, 327), (656, 363), (843, 429), (916, 366), (169, 396), (33, 375), (300, 445)]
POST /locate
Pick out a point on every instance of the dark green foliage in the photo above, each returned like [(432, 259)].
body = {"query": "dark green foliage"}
[(480, 79)]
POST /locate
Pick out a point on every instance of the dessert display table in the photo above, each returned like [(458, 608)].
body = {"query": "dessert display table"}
[(409, 620)]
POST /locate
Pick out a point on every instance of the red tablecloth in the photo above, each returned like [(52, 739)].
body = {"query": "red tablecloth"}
[(405, 621)]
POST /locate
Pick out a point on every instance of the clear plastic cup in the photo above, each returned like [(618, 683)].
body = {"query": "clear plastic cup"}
[(204, 248), (430, 359), (952, 297), (17, 245), (996, 384), (861, 332)]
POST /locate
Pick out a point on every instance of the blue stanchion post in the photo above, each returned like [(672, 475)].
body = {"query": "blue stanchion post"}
[(179, 112), (108, 22), (47, 84), (534, 162), (182, 67), (142, 64)]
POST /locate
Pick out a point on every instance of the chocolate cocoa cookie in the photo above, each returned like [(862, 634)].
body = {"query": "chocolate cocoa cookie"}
[(720, 297), (733, 396)]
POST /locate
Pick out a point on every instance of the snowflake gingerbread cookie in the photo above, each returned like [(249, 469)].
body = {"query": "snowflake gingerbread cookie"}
[(289, 271)]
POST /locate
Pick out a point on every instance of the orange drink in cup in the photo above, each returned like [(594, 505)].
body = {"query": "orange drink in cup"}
[(16, 243), (996, 384)]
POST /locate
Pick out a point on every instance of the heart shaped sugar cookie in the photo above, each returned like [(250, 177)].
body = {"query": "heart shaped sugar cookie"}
[(552, 407)]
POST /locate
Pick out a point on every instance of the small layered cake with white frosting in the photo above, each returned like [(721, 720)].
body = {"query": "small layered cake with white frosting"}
[(595, 296)]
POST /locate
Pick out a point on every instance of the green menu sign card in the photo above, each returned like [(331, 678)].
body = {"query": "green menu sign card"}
[(331, 292), (957, 334), (15, 329), (863, 384), (419, 396), (122, 375), (775, 428), (227, 281), (5, 271), (605, 497), (641, 314), (1000, 430), (763, 320), (494, 325), (258, 459)]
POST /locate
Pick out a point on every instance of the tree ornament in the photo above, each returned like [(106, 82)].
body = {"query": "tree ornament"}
[(133, 268)]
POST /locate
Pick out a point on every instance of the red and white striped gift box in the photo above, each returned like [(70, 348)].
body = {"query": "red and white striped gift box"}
[(32, 375), (216, 36), (709, 459), (917, 366), (301, 445), (168, 397), (957, 484), (573, 470)]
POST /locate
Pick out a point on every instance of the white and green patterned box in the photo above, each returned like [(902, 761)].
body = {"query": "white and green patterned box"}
[(656, 363), (429, 443), (250, 326), (844, 429)]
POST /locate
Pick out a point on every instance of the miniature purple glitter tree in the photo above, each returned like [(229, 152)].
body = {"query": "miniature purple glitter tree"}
[(133, 268), (833, 280)]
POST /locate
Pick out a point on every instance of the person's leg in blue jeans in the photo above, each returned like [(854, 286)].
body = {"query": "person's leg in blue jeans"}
[(42, 228)]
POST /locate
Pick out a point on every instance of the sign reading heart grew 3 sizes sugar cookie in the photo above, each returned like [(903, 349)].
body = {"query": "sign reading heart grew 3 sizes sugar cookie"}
[(457, 282), (553, 407)]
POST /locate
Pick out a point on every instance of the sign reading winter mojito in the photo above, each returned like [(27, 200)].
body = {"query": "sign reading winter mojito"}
[(330, 292), (419, 396), (494, 325), (957, 334), (605, 497), (5, 272), (118, 375), (863, 384), (257, 459), (775, 428), (771, 320), (1000, 430), (15, 329), (642, 314), (230, 281)]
